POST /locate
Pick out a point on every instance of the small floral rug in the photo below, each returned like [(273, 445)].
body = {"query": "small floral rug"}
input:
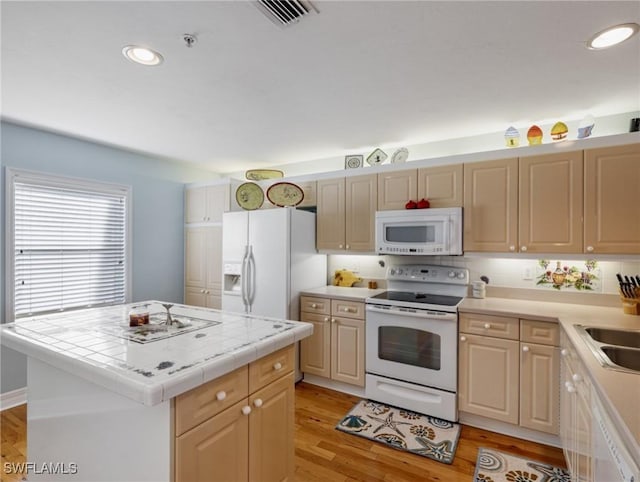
[(494, 466), (402, 429)]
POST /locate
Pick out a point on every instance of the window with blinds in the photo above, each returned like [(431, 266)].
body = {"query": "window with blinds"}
[(70, 245)]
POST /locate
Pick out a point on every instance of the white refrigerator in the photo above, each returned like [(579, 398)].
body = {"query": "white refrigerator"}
[(269, 256)]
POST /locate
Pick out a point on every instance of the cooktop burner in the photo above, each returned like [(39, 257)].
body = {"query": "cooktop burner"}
[(422, 298)]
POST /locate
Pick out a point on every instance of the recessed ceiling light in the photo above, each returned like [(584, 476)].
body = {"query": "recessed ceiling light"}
[(612, 36), (142, 55)]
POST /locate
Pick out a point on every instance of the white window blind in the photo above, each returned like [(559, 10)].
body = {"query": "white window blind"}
[(70, 246)]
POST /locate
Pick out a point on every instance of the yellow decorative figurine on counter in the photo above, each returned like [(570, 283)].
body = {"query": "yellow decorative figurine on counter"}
[(344, 277)]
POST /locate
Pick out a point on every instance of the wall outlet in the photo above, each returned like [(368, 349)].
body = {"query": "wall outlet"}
[(527, 273)]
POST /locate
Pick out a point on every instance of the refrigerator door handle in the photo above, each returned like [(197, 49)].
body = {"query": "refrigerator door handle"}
[(252, 279), (244, 278)]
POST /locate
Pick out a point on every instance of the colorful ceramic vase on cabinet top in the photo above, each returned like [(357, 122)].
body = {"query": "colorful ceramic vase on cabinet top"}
[(534, 135), (512, 137), (559, 131)]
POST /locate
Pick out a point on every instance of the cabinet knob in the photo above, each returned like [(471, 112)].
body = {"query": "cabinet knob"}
[(590, 248), (523, 248), (487, 326), (347, 309), (207, 292), (512, 248), (570, 387), (221, 395), (576, 377), (340, 246), (313, 305), (204, 218), (347, 246), (525, 348), (201, 291), (277, 366), (333, 320), (326, 318), (463, 338), (246, 410), (257, 402), (564, 352)]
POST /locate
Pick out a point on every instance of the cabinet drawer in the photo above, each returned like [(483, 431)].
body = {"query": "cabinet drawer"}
[(209, 399), (542, 332), (315, 305), (347, 309), (489, 325), (270, 368)]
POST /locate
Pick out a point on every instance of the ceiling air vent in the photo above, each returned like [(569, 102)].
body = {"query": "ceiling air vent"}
[(285, 12)]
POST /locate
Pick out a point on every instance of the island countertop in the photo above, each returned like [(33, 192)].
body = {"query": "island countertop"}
[(145, 365)]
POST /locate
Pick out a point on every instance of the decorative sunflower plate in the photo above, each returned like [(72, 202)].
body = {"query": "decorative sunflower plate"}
[(283, 194), (249, 196), (262, 174)]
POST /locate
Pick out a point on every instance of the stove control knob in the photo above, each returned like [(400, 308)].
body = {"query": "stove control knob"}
[(399, 271), (452, 274), (392, 271), (461, 275)]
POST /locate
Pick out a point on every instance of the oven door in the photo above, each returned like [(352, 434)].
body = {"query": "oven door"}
[(416, 346)]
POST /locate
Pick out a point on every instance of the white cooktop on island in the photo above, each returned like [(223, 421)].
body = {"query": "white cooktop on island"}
[(150, 363)]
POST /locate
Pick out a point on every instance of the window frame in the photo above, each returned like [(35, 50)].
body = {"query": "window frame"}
[(52, 180)]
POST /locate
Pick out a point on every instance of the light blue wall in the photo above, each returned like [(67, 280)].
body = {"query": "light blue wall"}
[(157, 208)]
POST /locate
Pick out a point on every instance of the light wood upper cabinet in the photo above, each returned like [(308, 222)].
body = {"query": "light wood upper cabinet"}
[(206, 204), (396, 188), (441, 185), (309, 190), (203, 266), (346, 214), (612, 193), (550, 203), (330, 216), (491, 206), (361, 199)]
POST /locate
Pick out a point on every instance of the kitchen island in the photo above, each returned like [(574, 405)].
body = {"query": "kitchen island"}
[(160, 403)]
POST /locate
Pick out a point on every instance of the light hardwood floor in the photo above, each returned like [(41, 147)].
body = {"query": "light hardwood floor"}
[(325, 454)]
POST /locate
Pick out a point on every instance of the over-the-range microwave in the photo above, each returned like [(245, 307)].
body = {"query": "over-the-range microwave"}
[(436, 231)]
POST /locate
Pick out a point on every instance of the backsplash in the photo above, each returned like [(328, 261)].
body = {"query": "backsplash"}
[(584, 276)]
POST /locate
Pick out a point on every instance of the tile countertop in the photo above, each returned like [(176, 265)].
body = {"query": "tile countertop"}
[(618, 390), (95, 344), (342, 292)]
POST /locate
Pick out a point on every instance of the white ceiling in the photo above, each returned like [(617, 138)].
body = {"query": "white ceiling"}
[(358, 74)]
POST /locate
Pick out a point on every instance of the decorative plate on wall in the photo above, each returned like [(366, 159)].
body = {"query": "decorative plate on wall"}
[(377, 157), (283, 194), (262, 174), (249, 196), (401, 155)]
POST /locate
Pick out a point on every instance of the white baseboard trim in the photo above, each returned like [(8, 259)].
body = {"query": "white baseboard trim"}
[(509, 429), (13, 398), (333, 385)]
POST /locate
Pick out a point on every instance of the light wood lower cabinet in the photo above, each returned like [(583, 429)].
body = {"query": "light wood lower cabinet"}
[(221, 439), (509, 370), (336, 348)]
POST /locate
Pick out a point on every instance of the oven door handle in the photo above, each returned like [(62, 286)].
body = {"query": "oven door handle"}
[(414, 314)]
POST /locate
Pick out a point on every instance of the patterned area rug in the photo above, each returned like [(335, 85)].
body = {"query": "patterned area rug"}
[(494, 466), (404, 430)]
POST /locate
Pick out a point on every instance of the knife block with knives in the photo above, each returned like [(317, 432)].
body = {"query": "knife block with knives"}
[(630, 293)]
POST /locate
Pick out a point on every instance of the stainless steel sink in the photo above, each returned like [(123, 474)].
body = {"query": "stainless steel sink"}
[(615, 337), (614, 349), (624, 357)]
